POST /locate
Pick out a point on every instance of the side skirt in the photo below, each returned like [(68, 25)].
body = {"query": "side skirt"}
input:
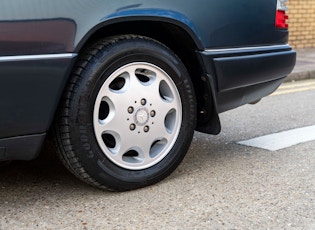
[(21, 148)]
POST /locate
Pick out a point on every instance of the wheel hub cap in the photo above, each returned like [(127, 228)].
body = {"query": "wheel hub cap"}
[(142, 116), (137, 116)]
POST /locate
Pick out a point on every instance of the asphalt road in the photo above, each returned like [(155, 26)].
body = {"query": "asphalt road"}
[(219, 185)]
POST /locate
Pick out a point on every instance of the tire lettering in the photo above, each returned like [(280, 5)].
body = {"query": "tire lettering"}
[(84, 140)]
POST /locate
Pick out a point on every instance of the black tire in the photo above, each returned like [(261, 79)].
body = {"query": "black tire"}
[(88, 151)]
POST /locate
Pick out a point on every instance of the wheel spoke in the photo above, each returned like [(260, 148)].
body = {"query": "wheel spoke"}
[(139, 90), (140, 145), (126, 143), (160, 130), (116, 124), (117, 99), (145, 147)]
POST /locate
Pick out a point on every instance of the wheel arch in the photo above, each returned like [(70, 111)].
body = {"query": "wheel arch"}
[(167, 30)]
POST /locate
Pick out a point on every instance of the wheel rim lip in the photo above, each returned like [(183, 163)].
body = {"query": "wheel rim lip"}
[(178, 119)]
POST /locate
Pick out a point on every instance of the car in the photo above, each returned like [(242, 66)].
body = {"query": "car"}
[(121, 86)]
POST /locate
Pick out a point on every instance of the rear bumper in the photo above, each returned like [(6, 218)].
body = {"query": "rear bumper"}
[(247, 74), (242, 71)]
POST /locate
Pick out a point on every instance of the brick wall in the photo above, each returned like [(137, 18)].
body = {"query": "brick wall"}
[(301, 23)]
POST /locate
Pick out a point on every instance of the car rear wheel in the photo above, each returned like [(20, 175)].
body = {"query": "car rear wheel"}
[(128, 114)]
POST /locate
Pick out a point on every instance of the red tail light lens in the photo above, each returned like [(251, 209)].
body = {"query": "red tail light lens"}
[(281, 20), (281, 17)]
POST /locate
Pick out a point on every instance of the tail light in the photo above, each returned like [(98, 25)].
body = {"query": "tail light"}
[(281, 17)]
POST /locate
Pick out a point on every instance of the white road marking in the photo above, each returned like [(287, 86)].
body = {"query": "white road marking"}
[(283, 139)]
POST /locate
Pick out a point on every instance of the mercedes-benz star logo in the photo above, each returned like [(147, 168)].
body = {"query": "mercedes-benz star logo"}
[(142, 116)]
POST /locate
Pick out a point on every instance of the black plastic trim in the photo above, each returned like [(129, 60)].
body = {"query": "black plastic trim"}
[(234, 98), (237, 76), (236, 72), (21, 148)]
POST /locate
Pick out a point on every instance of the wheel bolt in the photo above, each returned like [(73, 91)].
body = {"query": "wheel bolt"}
[(146, 129), (143, 101), (152, 113), (130, 109), (132, 127)]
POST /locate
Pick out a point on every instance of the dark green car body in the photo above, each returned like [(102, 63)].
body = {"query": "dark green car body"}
[(232, 50)]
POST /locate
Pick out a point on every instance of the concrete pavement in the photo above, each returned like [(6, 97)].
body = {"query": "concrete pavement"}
[(305, 65), (219, 185)]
